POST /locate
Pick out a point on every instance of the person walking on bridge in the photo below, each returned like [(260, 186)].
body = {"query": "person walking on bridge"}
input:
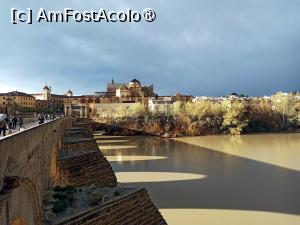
[(41, 119), (14, 122), (20, 121), (3, 124)]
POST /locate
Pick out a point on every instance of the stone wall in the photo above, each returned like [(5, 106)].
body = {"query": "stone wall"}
[(80, 162), (112, 110), (85, 168), (27, 168), (35, 160), (134, 208)]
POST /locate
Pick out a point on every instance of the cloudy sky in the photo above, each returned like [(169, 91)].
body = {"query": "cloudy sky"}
[(200, 47)]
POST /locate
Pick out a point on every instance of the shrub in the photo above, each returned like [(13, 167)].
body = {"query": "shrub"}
[(234, 119), (59, 206), (137, 110), (60, 196), (285, 106)]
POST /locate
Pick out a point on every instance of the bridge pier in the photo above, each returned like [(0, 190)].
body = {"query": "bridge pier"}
[(52, 174)]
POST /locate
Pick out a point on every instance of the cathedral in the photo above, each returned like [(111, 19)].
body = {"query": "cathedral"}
[(132, 89)]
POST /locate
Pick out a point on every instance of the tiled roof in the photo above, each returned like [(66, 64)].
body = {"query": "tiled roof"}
[(123, 87), (16, 93)]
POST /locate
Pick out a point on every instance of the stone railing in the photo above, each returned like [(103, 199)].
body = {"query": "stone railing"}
[(30, 156)]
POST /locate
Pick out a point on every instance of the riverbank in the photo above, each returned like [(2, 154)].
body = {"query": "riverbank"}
[(235, 117), (130, 129)]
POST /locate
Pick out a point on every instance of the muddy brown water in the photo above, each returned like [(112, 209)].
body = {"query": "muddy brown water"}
[(214, 179)]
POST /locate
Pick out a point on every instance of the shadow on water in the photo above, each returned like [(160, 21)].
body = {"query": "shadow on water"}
[(232, 182)]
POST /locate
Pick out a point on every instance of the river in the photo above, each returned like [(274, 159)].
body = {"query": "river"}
[(250, 179)]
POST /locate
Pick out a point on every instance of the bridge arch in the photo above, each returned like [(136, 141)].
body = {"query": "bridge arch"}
[(21, 203), (19, 221), (31, 190)]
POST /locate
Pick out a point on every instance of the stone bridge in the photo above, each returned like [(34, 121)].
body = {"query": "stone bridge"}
[(27, 169), (45, 166)]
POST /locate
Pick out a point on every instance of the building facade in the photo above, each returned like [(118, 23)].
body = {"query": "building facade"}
[(160, 105), (116, 94), (17, 99), (48, 101), (76, 109)]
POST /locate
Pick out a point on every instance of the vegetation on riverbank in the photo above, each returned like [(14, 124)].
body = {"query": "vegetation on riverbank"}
[(235, 116)]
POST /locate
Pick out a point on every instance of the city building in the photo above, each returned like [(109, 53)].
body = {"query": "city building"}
[(133, 89), (160, 104), (48, 101), (17, 99), (123, 91), (100, 103), (76, 109), (111, 88), (200, 98)]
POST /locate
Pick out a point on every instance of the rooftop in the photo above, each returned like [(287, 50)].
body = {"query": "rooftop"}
[(16, 93), (135, 81), (123, 87), (46, 88)]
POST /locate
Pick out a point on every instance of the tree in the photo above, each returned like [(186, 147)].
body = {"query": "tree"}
[(234, 119), (285, 105), (178, 108), (12, 108)]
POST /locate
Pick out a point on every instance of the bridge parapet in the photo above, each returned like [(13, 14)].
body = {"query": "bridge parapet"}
[(28, 157)]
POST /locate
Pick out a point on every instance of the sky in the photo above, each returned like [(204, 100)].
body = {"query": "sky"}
[(197, 47)]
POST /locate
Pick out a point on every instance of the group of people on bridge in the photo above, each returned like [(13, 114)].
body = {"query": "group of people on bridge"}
[(10, 123)]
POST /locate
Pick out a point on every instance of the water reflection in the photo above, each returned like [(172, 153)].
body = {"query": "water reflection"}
[(123, 158), (140, 177), (115, 147), (277, 149), (245, 187), (226, 217), (111, 141), (98, 136)]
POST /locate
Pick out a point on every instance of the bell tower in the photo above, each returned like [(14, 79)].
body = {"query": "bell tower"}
[(46, 93)]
